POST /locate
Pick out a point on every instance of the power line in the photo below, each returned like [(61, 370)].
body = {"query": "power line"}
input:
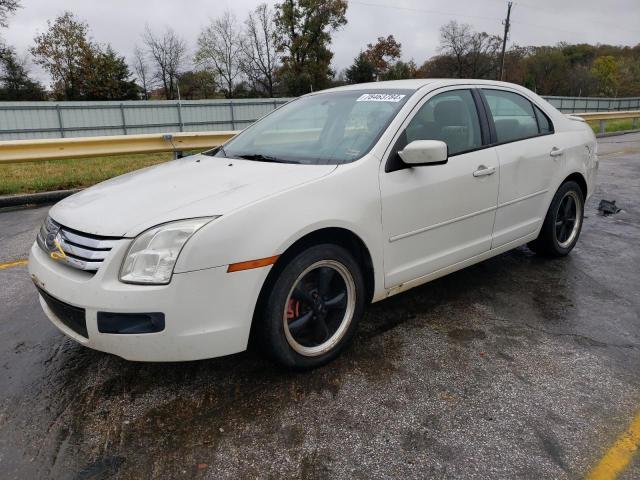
[(423, 10), (554, 13), (598, 22), (454, 15)]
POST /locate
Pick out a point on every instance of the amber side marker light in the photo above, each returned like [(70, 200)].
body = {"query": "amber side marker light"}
[(248, 265)]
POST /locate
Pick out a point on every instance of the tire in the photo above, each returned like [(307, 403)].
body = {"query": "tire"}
[(305, 295), (562, 224)]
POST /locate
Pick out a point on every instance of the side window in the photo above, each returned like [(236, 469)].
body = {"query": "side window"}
[(544, 124), (450, 117), (512, 114)]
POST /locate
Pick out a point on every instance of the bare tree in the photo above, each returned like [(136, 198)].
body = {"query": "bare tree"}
[(455, 40), (483, 55), (142, 71), (220, 48), (7, 7), (259, 54), (475, 53), (168, 52)]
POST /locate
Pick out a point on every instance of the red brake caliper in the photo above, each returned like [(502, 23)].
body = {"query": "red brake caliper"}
[(293, 311)]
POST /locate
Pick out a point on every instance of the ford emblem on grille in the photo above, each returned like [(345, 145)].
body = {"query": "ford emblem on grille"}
[(79, 250), (50, 240)]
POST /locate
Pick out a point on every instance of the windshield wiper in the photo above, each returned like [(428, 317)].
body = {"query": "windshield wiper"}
[(258, 157), (214, 152)]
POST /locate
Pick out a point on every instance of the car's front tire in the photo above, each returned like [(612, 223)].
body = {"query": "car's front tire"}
[(313, 307), (563, 222)]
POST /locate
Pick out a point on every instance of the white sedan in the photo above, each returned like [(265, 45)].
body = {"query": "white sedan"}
[(284, 234)]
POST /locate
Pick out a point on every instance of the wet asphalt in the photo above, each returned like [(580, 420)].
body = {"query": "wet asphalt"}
[(518, 367)]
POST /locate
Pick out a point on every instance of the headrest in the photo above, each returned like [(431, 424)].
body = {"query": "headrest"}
[(450, 112), (375, 121), (507, 129)]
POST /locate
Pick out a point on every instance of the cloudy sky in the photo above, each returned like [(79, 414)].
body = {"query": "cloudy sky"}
[(414, 23)]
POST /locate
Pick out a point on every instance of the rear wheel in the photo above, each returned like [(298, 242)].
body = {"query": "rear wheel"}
[(563, 222), (313, 309)]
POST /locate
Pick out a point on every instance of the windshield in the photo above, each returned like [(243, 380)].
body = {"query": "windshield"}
[(326, 128)]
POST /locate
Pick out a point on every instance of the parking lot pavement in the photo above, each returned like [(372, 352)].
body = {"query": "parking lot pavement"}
[(519, 367)]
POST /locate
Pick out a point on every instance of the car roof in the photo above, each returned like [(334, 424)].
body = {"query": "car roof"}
[(417, 83)]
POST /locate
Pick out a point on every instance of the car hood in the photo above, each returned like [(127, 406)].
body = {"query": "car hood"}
[(195, 186)]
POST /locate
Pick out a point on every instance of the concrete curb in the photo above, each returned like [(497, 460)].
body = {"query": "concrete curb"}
[(35, 198)]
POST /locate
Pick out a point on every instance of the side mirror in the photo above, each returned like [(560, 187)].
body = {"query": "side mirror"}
[(424, 152)]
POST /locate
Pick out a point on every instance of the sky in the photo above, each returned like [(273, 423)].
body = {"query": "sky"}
[(414, 23)]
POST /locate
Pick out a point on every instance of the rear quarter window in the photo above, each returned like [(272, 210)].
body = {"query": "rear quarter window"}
[(544, 123)]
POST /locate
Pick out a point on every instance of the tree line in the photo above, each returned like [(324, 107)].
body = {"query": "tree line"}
[(285, 50)]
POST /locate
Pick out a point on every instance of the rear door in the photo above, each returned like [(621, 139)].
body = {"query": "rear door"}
[(529, 158), (438, 215)]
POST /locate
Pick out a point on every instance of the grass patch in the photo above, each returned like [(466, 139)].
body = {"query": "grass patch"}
[(612, 125), (33, 177)]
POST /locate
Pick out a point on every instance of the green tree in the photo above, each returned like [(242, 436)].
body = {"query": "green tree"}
[(580, 54), (197, 85), (361, 71), (80, 69), (630, 76), (401, 70), (61, 51), (106, 76), (303, 29), (15, 83), (605, 70), (546, 71)]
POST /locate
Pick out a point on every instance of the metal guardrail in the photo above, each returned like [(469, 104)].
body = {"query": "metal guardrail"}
[(602, 117), (593, 104), (12, 151)]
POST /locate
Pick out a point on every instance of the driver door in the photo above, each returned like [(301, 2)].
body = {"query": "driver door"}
[(435, 216)]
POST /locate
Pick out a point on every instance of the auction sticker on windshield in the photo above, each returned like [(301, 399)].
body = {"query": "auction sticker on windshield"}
[(380, 97)]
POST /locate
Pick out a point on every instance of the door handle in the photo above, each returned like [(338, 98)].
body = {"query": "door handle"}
[(483, 171), (556, 152)]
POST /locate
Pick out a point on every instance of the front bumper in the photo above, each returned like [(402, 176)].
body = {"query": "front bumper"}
[(207, 312)]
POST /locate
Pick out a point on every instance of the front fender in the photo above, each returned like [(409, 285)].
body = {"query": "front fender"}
[(347, 198)]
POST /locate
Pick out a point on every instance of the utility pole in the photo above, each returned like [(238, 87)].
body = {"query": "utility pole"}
[(504, 38)]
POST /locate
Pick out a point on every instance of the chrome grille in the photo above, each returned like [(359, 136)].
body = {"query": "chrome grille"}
[(81, 250)]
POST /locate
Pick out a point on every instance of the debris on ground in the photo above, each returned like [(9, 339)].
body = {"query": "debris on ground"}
[(608, 207)]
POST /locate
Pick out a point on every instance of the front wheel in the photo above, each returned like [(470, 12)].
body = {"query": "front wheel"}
[(313, 309), (563, 223)]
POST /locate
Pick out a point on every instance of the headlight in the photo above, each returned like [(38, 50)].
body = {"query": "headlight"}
[(153, 254)]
